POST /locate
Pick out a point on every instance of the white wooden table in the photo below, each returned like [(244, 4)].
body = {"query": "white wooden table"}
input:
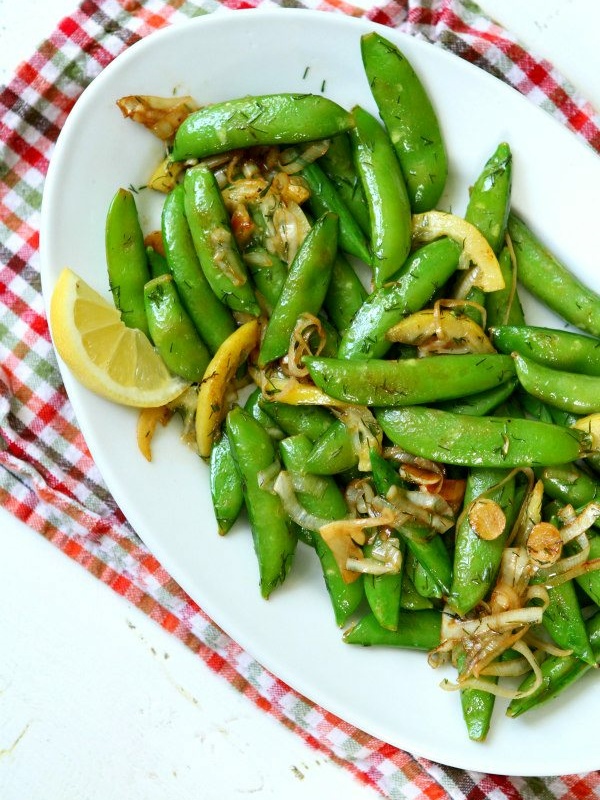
[(96, 701)]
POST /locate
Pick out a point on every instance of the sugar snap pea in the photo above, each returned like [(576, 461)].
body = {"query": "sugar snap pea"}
[(310, 421), (268, 272), (475, 305), (304, 289), (503, 307), (477, 560), (481, 441), (567, 391), (226, 488), (338, 165), (482, 403), (590, 581), (274, 540), (432, 566), (562, 350), (324, 197), (333, 452), (128, 269), (255, 408), (432, 575), (157, 262), (381, 382), (327, 503), (410, 599), (422, 581), (417, 630), (477, 706), (424, 272), (551, 281), (345, 294), (531, 406), (385, 194), (569, 484), (489, 202), (383, 592), (215, 245), (258, 120), (409, 116), (172, 331), (212, 319), (558, 673), (564, 622)]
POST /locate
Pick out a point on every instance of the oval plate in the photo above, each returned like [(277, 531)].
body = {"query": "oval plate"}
[(556, 188)]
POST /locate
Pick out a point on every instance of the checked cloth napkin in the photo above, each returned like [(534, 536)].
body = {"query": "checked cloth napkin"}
[(47, 476)]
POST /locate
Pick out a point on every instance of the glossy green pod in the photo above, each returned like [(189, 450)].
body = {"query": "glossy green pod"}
[(477, 560), (324, 198), (226, 489), (424, 272), (417, 630), (385, 194), (552, 282), (272, 533), (329, 504), (567, 391), (173, 332), (561, 350), (468, 441), (212, 319), (345, 294), (489, 201), (338, 165), (304, 289), (381, 382), (409, 116), (214, 242), (258, 120), (126, 259)]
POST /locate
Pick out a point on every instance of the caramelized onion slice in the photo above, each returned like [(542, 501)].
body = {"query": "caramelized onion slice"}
[(161, 115)]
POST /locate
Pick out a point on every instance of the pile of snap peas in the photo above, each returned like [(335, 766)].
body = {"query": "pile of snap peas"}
[(402, 418)]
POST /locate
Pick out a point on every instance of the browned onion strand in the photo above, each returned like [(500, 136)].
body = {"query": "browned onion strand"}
[(365, 432), (385, 558), (283, 485), (294, 159), (359, 495), (307, 329)]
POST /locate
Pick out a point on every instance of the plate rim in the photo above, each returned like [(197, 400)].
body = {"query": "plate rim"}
[(73, 389)]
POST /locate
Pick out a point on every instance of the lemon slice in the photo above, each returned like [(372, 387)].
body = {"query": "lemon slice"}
[(485, 271), (106, 356)]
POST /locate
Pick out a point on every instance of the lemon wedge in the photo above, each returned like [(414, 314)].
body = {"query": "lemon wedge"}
[(114, 361)]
